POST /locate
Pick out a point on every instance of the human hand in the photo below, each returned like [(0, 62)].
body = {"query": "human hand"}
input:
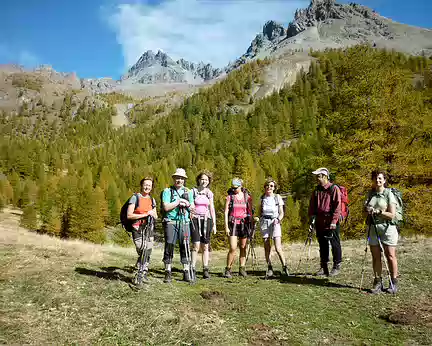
[(276, 221), (227, 231), (152, 213), (370, 210), (333, 226)]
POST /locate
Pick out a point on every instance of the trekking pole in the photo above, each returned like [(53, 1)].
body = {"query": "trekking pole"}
[(364, 258), (308, 242), (384, 255), (187, 249), (143, 249), (251, 250)]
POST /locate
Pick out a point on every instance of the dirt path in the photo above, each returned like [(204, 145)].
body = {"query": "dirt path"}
[(120, 119)]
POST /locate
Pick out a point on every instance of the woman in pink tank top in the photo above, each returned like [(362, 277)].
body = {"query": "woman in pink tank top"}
[(238, 223), (203, 221)]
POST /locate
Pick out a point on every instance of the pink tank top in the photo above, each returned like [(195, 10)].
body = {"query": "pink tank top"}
[(202, 202), (239, 208)]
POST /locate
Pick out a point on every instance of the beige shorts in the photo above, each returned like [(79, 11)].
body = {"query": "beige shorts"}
[(387, 233), (269, 229)]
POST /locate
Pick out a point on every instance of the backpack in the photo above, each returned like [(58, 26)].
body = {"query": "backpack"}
[(344, 201), (399, 217), (124, 221), (249, 208), (276, 198)]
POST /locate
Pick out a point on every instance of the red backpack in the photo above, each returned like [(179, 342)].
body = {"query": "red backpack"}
[(344, 201)]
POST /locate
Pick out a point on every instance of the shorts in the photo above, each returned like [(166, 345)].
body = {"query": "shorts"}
[(270, 229), (387, 233), (138, 233), (239, 230), (197, 230)]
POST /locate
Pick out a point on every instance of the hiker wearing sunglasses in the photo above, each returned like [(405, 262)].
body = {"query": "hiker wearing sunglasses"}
[(380, 207), (238, 224), (142, 207), (325, 213), (203, 221), (272, 214)]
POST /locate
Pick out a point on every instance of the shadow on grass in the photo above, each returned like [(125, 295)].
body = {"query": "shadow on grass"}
[(308, 280), (107, 273)]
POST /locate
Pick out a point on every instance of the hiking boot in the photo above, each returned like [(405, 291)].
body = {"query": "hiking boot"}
[(335, 270), (227, 273), (242, 272), (323, 271), (285, 271), (186, 276), (377, 286), (394, 289), (269, 272), (206, 274), (145, 278), (168, 277)]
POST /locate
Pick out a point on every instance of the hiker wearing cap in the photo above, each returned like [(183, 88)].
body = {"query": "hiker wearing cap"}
[(325, 212), (177, 204), (141, 208), (203, 221), (238, 224), (270, 224), (380, 207)]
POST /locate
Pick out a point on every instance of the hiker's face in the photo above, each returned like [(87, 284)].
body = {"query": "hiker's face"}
[(236, 189), (179, 181), (321, 179), (270, 187), (379, 181), (147, 186), (204, 180)]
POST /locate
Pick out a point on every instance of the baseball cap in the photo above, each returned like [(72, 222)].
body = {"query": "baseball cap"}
[(322, 170)]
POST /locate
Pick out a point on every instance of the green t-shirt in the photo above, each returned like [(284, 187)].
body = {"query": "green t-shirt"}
[(169, 195)]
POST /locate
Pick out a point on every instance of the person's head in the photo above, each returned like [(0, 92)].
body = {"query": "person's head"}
[(379, 179), (322, 175), (179, 177), (146, 185), (270, 185), (204, 179), (236, 185)]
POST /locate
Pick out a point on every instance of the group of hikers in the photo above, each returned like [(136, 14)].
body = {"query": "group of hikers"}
[(189, 218)]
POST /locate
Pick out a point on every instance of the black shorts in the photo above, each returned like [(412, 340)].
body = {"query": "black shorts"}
[(198, 233), (239, 230)]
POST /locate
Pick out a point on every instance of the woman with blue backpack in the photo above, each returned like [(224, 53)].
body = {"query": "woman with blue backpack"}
[(272, 214), (380, 207)]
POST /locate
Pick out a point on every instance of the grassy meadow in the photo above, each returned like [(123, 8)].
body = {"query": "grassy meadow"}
[(76, 293)]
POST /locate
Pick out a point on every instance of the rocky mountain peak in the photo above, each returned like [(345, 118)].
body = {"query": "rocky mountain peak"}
[(272, 30)]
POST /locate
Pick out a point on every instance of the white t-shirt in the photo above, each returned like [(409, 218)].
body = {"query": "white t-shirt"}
[(269, 207)]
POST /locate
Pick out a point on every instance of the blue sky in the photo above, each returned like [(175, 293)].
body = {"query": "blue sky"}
[(98, 38)]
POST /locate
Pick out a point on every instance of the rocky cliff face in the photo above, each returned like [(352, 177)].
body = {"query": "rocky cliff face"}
[(160, 68), (327, 24)]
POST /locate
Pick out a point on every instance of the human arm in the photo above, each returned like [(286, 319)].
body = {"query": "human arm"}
[(166, 201), (280, 207), (213, 212), (226, 214)]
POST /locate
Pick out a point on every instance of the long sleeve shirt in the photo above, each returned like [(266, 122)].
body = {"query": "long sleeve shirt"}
[(325, 204)]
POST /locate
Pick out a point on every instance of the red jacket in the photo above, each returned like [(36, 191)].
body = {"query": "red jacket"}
[(325, 204)]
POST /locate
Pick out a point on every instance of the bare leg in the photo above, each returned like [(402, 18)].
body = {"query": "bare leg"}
[(232, 251), (267, 249), (194, 253), (376, 260), (390, 252), (205, 254), (243, 246), (279, 250)]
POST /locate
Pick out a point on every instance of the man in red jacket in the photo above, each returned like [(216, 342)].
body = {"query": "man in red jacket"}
[(325, 212)]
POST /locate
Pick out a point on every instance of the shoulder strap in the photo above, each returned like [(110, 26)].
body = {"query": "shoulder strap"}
[(153, 202), (276, 197), (136, 200)]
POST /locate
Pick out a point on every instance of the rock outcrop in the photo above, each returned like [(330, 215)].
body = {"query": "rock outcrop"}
[(160, 68)]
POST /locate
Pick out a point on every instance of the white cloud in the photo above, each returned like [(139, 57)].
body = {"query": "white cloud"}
[(215, 31)]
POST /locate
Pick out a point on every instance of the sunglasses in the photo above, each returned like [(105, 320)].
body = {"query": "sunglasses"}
[(270, 185)]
